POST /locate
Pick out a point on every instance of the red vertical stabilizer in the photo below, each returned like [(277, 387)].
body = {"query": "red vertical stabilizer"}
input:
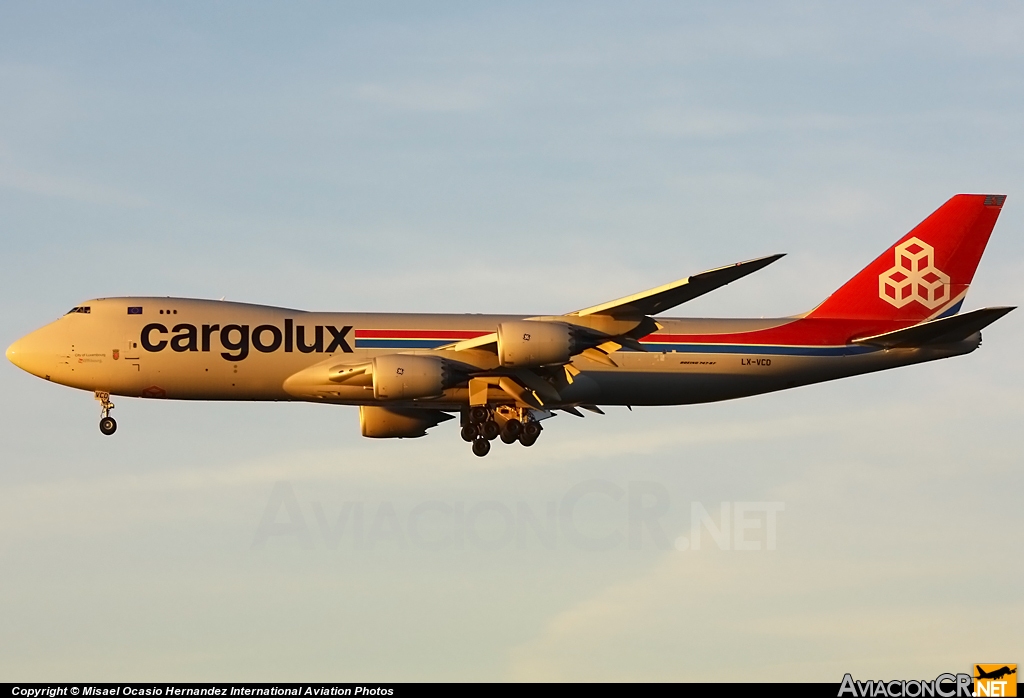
[(926, 274)]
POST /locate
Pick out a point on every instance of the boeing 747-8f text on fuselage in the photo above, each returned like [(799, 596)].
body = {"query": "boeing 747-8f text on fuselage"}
[(504, 374)]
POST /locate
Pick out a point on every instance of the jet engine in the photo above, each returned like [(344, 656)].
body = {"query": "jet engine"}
[(535, 343), (392, 423), (408, 376)]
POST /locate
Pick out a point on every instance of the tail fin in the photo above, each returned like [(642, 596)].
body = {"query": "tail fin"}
[(926, 274)]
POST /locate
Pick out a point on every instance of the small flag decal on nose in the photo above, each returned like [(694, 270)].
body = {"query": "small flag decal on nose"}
[(135, 310)]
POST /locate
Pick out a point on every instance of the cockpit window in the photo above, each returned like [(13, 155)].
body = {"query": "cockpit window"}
[(80, 309)]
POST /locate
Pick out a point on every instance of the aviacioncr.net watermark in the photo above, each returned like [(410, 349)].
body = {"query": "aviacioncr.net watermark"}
[(594, 515)]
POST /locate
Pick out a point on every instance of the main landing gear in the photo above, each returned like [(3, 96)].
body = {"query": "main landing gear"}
[(107, 424), (481, 425)]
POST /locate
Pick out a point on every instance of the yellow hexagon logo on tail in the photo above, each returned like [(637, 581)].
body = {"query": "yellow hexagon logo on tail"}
[(914, 277)]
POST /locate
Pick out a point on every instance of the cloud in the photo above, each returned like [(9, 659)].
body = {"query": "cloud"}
[(63, 187), (701, 122), (427, 97), (780, 616)]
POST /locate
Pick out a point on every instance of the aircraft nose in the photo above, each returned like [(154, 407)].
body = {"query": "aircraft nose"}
[(16, 352), (36, 352)]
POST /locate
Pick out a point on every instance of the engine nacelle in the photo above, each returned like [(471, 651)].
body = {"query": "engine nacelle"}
[(392, 423), (407, 376), (535, 343)]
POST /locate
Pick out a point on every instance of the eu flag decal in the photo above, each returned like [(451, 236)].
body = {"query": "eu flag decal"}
[(135, 310)]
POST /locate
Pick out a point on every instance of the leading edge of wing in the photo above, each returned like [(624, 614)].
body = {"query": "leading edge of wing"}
[(649, 302), (656, 300), (486, 342)]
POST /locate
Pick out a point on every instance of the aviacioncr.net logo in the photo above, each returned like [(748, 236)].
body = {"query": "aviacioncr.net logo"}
[(914, 278)]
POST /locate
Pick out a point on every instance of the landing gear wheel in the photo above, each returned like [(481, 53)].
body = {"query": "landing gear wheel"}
[(468, 432), (490, 430), (107, 424), (479, 415), (512, 429), (531, 430), (481, 447)]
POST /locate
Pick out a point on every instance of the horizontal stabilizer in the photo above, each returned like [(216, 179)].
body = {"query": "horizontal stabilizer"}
[(943, 331), (662, 298)]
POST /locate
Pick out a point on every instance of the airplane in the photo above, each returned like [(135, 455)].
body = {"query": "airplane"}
[(995, 674), (504, 375)]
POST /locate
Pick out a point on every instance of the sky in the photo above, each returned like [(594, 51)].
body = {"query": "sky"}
[(507, 157)]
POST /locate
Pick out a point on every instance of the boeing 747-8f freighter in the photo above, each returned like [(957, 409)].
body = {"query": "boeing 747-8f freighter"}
[(503, 375)]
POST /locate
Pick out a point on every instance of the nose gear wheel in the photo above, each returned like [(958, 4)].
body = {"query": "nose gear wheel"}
[(107, 424)]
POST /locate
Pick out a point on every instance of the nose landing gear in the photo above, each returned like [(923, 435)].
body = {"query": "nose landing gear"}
[(107, 424)]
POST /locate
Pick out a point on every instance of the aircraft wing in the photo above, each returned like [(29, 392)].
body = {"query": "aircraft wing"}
[(941, 331), (662, 298), (487, 342), (612, 326), (646, 303)]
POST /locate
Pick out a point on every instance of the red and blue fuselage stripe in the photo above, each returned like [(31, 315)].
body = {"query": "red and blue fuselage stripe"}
[(774, 350), (432, 339), (411, 339), (401, 343)]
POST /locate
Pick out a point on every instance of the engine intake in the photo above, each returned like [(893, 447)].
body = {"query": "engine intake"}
[(408, 376), (535, 343)]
